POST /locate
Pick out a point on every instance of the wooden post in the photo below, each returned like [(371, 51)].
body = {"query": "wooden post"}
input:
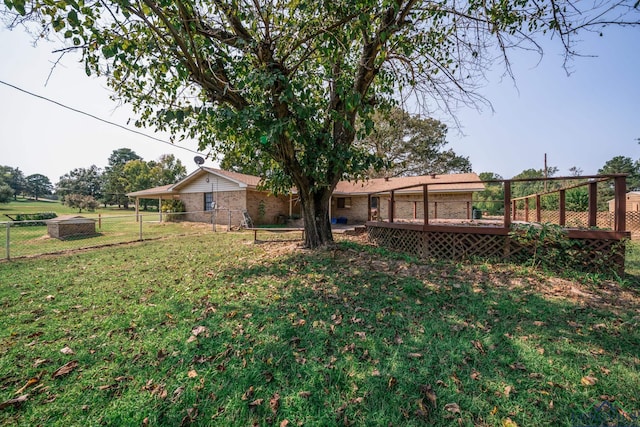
[(620, 213), (99, 221), (526, 209), (435, 210), (563, 214), (468, 210), (415, 210), (392, 202), (425, 202), (538, 209), (369, 207), (507, 204), (514, 210), (593, 204), (137, 209), (160, 207), (8, 241)]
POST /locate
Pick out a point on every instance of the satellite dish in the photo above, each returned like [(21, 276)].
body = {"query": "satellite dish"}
[(199, 160)]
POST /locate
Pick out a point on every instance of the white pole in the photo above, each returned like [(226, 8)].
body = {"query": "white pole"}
[(8, 240)]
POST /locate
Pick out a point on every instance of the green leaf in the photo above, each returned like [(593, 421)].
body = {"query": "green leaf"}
[(19, 5)]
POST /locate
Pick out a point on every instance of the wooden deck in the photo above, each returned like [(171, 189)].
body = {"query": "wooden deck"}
[(591, 249)]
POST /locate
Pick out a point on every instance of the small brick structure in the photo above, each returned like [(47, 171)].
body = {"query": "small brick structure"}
[(66, 226)]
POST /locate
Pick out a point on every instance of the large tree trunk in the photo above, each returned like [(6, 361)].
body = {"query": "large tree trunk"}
[(315, 212)]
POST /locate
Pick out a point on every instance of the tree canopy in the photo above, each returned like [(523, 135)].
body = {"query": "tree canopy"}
[(14, 179), (38, 185), (81, 181), (289, 80), (410, 146)]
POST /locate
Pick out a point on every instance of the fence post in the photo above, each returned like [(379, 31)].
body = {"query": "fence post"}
[(593, 204), (8, 240), (563, 208), (507, 204), (538, 209), (392, 202), (140, 222), (425, 201), (100, 221), (620, 184)]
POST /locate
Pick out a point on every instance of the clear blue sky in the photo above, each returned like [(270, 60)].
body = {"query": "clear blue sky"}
[(580, 120)]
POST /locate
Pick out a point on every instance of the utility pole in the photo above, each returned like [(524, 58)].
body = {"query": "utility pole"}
[(545, 172)]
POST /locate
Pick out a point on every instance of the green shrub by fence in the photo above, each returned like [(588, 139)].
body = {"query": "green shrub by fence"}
[(34, 219)]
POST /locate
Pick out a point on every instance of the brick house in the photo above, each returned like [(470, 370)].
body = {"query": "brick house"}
[(632, 200), (449, 197), (222, 195)]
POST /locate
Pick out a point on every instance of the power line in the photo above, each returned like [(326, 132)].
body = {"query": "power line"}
[(75, 110)]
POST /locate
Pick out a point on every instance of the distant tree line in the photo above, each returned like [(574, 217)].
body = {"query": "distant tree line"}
[(86, 188)]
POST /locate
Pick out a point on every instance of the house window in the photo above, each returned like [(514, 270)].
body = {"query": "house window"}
[(375, 201), (344, 202), (208, 201)]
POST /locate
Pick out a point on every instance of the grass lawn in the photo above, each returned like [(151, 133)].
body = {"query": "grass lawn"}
[(24, 205), (216, 330)]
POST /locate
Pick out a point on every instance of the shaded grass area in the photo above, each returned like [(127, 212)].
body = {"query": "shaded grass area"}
[(219, 331)]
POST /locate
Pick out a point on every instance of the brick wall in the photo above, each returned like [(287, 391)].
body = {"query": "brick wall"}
[(452, 205), (225, 201), (273, 207), (62, 231)]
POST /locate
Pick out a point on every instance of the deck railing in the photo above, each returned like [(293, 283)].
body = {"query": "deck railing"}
[(510, 213)]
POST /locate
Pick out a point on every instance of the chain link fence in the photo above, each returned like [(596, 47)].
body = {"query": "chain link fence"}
[(29, 238)]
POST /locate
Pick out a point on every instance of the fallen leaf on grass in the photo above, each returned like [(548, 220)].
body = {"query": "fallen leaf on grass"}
[(256, 403), (507, 391), (248, 394), (39, 362), (192, 373), (67, 350), (414, 355), (478, 346), (14, 402), (452, 407), (284, 423), (392, 382), (588, 380), (361, 335), (604, 370), (29, 383), (475, 375), (200, 330), (304, 394), (177, 393), (65, 369), (274, 403), (508, 422), (427, 390), (397, 339), (518, 366), (422, 411)]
